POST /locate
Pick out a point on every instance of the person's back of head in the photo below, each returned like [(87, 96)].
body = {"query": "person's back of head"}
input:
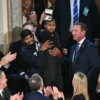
[(36, 82), (80, 85)]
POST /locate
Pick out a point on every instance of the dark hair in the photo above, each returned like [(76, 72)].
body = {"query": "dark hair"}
[(35, 82), (52, 20), (83, 26), (25, 33)]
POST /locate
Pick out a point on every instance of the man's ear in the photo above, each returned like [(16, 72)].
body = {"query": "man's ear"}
[(84, 32)]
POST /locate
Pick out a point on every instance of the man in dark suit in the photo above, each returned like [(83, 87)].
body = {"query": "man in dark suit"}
[(63, 13), (36, 84), (84, 56)]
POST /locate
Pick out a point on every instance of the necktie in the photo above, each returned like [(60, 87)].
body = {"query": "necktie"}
[(1, 95), (75, 12), (76, 51)]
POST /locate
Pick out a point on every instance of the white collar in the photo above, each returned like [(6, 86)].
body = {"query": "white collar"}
[(81, 41), (40, 91), (1, 92), (98, 91)]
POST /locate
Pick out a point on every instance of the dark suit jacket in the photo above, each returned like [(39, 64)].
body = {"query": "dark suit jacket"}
[(34, 95), (88, 59), (62, 14), (6, 95)]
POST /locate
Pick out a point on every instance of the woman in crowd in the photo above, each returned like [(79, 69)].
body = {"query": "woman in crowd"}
[(80, 87)]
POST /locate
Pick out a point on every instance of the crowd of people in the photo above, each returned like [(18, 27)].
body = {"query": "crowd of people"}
[(55, 59)]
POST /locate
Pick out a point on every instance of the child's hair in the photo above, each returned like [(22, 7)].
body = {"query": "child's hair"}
[(80, 85), (46, 21)]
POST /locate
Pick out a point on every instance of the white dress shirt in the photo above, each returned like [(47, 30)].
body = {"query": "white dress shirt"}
[(81, 41), (71, 9), (1, 93)]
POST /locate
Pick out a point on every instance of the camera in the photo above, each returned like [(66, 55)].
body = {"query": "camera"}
[(48, 13)]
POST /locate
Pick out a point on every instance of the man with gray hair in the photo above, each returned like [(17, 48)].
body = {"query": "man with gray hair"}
[(36, 84), (4, 92)]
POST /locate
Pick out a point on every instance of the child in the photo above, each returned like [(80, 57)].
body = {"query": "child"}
[(52, 69)]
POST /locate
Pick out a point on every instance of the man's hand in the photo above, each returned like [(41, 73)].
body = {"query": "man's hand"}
[(46, 45), (57, 94), (7, 58)]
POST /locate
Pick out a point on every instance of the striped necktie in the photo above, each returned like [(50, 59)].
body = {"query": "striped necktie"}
[(75, 12)]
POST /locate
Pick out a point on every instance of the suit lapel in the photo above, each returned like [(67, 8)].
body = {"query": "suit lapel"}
[(83, 46), (1, 98)]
